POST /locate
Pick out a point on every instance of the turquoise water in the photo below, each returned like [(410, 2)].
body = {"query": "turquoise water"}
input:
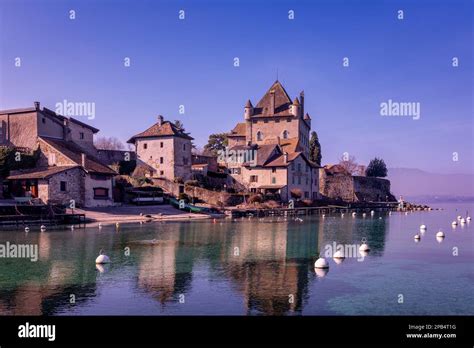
[(246, 267)]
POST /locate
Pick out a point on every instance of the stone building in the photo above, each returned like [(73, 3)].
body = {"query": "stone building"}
[(166, 149), (268, 153), (68, 169)]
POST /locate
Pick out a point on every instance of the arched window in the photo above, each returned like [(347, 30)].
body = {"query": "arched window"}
[(259, 136), (285, 134)]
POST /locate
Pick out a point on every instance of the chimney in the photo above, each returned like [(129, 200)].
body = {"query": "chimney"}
[(37, 105), (83, 160), (302, 102), (272, 102), (285, 157), (66, 130), (160, 120)]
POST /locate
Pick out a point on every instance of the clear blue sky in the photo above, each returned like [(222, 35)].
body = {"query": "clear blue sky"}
[(190, 62)]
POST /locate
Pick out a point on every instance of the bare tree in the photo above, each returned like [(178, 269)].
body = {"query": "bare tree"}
[(349, 164), (108, 143)]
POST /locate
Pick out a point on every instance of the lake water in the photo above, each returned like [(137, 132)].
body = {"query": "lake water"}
[(247, 267)]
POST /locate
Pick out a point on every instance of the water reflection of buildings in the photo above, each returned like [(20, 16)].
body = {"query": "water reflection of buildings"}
[(44, 287), (264, 259), (269, 263)]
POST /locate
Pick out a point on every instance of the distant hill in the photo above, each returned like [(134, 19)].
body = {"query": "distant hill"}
[(416, 183)]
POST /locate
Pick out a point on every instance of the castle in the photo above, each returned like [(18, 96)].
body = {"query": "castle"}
[(275, 134)]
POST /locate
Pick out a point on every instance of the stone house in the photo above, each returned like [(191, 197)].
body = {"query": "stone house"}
[(268, 153), (68, 169), (166, 149)]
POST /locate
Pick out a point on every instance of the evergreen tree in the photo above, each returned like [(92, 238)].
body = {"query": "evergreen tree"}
[(315, 149), (376, 168)]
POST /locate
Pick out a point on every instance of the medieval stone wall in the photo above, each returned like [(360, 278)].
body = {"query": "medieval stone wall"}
[(356, 188)]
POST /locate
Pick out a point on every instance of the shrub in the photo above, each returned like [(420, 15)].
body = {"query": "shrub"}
[(191, 183), (272, 204), (178, 180), (296, 193), (255, 199), (183, 196), (307, 202)]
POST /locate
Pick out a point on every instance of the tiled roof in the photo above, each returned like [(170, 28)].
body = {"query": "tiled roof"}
[(282, 102), (62, 118), (238, 131), (165, 129), (74, 153), (110, 157), (39, 173)]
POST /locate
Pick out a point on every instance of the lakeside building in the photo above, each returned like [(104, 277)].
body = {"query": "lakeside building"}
[(67, 168), (166, 149), (273, 147)]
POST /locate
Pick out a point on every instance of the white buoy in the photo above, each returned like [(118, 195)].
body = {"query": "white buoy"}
[(324, 215), (406, 213), (459, 217), (342, 215), (364, 247), (440, 234), (389, 213), (354, 214), (43, 228), (422, 227), (27, 229), (439, 239), (468, 218), (72, 228), (102, 258), (321, 263), (463, 221), (100, 224), (338, 255), (417, 237), (321, 272), (364, 214), (372, 212)]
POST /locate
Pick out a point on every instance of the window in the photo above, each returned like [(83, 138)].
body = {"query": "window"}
[(299, 167), (184, 147), (307, 168), (185, 160), (161, 144), (101, 193), (288, 120), (285, 134), (259, 136), (63, 186), (299, 180), (151, 157), (43, 120), (307, 182), (292, 165), (235, 171), (81, 135), (161, 160), (306, 194), (145, 146), (274, 180), (253, 178), (274, 170), (1, 132), (162, 172), (293, 179), (254, 121), (277, 121), (265, 121)]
